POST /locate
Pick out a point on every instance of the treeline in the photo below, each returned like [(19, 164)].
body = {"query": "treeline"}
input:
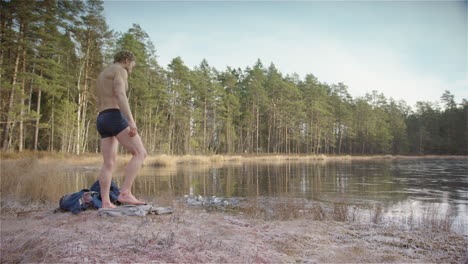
[(52, 51)]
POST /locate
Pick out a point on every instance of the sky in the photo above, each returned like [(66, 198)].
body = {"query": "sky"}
[(407, 50)]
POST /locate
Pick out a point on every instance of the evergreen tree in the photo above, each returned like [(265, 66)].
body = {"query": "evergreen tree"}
[(255, 98), (52, 51), (180, 107), (230, 111)]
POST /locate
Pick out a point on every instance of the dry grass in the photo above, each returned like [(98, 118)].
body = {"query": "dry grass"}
[(340, 212), (164, 160), (433, 219), (31, 154), (33, 180), (174, 160), (285, 209), (196, 236), (220, 160), (318, 212), (377, 214), (274, 209), (160, 161)]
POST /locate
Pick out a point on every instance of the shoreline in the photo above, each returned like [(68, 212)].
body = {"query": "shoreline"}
[(165, 160), (291, 231), (196, 235)]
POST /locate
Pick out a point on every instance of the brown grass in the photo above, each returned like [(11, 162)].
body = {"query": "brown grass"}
[(31, 154), (196, 236), (377, 214), (32, 180), (433, 219), (164, 160), (340, 212), (318, 212), (174, 160), (284, 209), (221, 160)]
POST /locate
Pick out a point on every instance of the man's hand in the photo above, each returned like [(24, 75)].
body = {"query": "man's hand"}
[(133, 129)]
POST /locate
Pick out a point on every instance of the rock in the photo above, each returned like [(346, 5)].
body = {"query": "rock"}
[(211, 203), (161, 210), (125, 210), (134, 210)]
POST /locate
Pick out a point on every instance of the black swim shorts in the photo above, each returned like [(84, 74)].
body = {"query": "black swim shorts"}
[(111, 122)]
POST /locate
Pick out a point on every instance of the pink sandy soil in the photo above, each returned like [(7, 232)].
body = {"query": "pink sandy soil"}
[(196, 236)]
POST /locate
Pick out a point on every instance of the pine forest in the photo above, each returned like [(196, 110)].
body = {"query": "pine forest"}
[(53, 50)]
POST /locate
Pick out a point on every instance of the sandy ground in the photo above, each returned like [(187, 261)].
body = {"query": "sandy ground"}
[(192, 235)]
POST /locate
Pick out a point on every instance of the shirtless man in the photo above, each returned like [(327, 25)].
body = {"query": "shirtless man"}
[(116, 125)]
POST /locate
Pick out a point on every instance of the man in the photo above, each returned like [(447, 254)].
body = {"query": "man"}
[(116, 125)]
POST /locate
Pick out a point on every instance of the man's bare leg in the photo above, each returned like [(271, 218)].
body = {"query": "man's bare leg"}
[(109, 153), (134, 146)]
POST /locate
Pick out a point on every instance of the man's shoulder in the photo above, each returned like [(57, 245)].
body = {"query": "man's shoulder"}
[(113, 70), (116, 69)]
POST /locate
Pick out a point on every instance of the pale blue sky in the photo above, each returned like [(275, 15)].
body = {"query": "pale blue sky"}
[(410, 50)]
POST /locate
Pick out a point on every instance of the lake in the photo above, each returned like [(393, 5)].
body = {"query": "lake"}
[(401, 186)]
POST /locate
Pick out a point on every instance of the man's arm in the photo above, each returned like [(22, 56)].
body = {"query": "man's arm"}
[(119, 84)]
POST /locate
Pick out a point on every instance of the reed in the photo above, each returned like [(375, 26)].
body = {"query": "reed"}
[(283, 209), (160, 161), (434, 219), (318, 212), (340, 212), (163, 160), (377, 214), (33, 180)]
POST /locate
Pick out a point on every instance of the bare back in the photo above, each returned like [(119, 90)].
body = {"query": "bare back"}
[(106, 98)]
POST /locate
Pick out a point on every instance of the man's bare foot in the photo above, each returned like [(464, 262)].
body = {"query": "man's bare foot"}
[(108, 205), (129, 199)]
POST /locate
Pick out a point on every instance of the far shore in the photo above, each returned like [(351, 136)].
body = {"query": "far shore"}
[(165, 160)]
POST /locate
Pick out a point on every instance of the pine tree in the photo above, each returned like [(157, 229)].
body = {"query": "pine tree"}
[(91, 33), (230, 112), (180, 107)]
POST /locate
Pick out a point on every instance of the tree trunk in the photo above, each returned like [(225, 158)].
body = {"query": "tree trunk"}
[(3, 27), (51, 147), (269, 134), (258, 117), (318, 145), (23, 87), (204, 126), (311, 128), (65, 138), (38, 110), (85, 146), (31, 83), (341, 138), (171, 127), (9, 110), (251, 130), (76, 145), (84, 98), (228, 137), (187, 149)]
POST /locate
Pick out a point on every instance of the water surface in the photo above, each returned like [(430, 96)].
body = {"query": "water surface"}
[(402, 187)]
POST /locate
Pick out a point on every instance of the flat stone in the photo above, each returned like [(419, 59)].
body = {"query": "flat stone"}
[(161, 210)]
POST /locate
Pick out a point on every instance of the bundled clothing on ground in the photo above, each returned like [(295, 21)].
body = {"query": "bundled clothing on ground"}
[(86, 199), (91, 199)]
